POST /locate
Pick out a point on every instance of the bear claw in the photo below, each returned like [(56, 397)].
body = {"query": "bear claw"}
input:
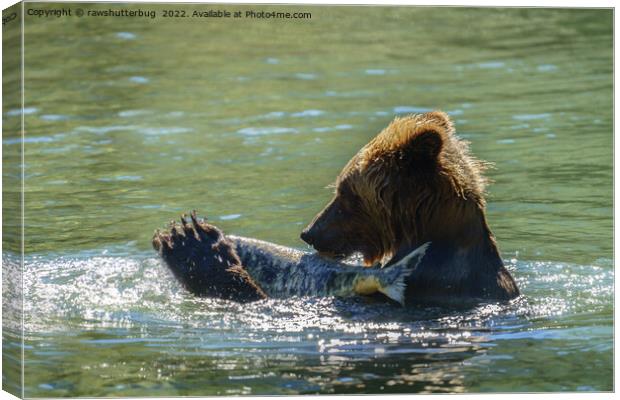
[(204, 261)]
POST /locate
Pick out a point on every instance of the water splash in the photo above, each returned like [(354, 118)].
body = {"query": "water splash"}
[(88, 305)]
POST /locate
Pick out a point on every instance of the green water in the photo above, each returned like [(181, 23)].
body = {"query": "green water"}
[(130, 122)]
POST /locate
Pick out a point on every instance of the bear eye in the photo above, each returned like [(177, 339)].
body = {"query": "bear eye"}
[(349, 200), (350, 194), (345, 190)]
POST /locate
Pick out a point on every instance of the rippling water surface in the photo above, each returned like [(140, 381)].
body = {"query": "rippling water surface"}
[(131, 122)]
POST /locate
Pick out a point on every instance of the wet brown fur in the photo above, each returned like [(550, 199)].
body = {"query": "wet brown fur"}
[(414, 182)]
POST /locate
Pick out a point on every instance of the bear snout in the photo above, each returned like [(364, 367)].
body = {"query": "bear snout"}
[(306, 236), (326, 242), (317, 237)]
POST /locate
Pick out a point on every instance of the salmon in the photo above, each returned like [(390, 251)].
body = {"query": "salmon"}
[(209, 263)]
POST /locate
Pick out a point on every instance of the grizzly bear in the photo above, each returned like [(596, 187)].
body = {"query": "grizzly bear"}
[(413, 183), (416, 182)]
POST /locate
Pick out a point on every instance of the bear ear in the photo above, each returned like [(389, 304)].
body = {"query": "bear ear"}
[(424, 137), (423, 147)]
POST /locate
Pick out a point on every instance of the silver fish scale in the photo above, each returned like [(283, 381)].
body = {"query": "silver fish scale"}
[(283, 272)]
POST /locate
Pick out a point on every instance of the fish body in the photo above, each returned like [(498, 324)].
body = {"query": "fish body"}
[(209, 263), (282, 272)]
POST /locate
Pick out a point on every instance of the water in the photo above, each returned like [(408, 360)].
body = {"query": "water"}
[(132, 122)]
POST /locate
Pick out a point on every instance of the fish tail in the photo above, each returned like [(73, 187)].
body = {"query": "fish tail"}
[(395, 290)]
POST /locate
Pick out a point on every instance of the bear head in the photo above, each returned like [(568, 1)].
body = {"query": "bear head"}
[(414, 182)]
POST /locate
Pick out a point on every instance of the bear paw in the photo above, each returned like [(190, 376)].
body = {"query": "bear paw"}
[(204, 261)]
